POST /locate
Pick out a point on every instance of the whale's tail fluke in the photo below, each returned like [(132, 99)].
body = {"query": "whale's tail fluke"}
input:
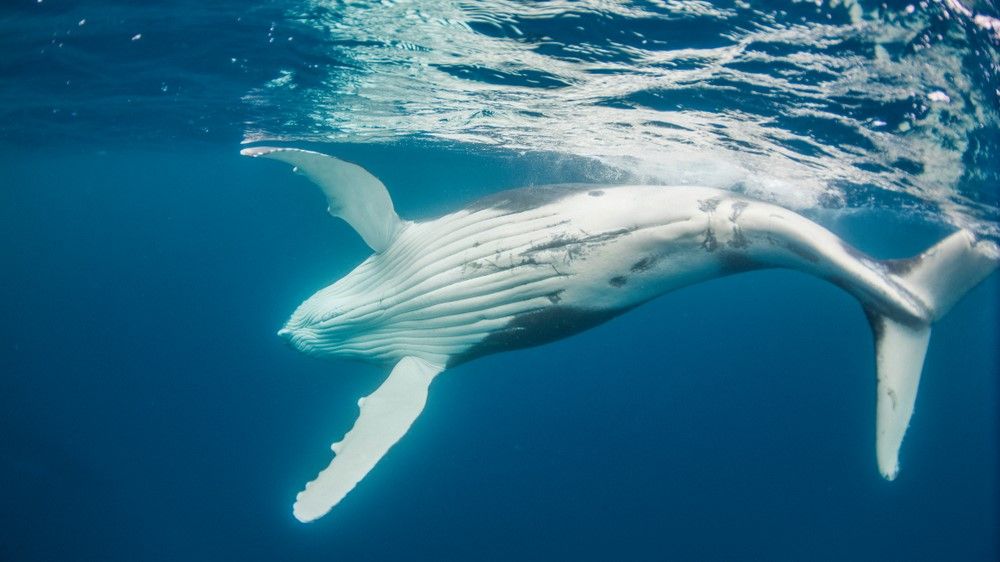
[(939, 277)]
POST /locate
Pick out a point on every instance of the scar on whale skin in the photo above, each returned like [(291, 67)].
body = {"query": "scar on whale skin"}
[(710, 243), (642, 265), (708, 205), (738, 208)]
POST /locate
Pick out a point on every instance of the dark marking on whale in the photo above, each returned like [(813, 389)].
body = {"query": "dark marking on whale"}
[(737, 262), (877, 323), (618, 281), (536, 328), (739, 240), (558, 241), (711, 242), (596, 192), (589, 239), (738, 208), (608, 236), (642, 265), (900, 267), (575, 247), (708, 205), (877, 315)]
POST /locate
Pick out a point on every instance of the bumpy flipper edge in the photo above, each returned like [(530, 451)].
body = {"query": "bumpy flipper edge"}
[(385, 417), (352, 193)]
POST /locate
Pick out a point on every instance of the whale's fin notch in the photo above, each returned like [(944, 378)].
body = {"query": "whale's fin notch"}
[(939, 277), (352, 193), (385, 417)]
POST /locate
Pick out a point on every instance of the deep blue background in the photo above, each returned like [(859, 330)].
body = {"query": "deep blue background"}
[(147, 410)]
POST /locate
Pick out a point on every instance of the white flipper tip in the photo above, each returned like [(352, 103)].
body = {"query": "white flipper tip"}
[(305, 512), (889, 468)]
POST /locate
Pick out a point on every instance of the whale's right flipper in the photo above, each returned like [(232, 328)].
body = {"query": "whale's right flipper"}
[(352, 193), (386, 414), (939, 278)]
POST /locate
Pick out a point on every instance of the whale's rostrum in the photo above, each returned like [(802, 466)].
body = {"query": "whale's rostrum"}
[(532, 265)]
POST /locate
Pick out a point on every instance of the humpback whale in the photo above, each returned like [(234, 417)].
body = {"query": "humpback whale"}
[(528, 266)]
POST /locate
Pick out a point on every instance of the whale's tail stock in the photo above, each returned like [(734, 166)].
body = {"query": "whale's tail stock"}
[(938, 278)]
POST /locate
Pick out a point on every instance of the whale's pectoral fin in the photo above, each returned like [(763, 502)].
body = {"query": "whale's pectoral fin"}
[(352, 193), (385, 416)]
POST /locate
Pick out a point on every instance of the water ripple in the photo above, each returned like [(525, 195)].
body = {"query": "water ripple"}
[(810, 104)]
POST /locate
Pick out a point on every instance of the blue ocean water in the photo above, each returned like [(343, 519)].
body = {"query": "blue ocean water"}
[(149, 412)]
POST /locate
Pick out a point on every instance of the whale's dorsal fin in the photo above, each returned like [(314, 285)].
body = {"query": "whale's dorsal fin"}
[(386, 414), (352, 193)]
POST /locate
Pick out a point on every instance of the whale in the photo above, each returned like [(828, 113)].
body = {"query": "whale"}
[(528, 266)]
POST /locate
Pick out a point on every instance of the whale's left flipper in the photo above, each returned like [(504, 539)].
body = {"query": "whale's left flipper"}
[(351, 192), (386, 414)]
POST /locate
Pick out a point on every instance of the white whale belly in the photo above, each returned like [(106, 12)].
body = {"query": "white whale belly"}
[(491, 279)]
